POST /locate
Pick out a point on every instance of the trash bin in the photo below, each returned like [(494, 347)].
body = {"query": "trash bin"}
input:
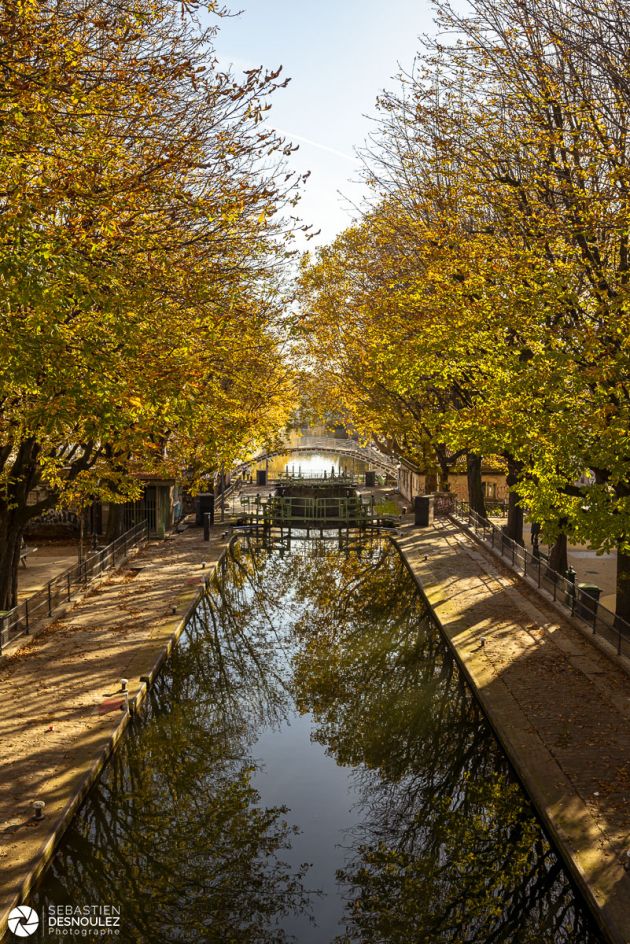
[(261, 476), (423, 510), (370, 479), (204, 505), (587, 601)]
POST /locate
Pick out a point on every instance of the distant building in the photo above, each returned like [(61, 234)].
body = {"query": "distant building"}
[(413, 481), (161, 504)]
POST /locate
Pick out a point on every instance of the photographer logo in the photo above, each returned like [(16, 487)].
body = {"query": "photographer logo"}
[(23, 921)]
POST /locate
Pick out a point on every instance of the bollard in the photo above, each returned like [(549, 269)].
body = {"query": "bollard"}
[(38, 809), (123, 684), (206, 527)]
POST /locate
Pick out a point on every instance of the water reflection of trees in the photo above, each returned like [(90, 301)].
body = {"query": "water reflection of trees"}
[(449, 850), (174, 831)]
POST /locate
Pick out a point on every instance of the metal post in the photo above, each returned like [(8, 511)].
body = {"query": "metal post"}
[(206, 526), (81, 526), (26, 615)]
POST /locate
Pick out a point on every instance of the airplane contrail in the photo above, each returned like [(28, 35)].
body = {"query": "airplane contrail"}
[(316, 144)]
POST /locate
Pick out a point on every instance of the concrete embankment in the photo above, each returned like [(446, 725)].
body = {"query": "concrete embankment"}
[(62, 710), (560, 707)]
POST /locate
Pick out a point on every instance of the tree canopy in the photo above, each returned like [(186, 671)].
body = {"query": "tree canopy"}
[(480, 303), (145, 212)]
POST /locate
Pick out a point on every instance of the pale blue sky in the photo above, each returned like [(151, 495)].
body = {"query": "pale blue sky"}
[(339, 55)]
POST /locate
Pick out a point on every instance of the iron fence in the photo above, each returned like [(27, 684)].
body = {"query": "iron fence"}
[(317, 478), (563, 589), (32, 613), (495, 507)]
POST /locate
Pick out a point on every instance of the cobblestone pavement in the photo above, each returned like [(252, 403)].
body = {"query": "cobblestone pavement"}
[(560, 706), (60, 696)]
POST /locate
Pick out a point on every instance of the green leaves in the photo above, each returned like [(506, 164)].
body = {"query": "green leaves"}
[(482, 303), (141, 251)]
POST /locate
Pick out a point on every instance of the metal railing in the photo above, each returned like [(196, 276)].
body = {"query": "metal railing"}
[(329, 444), (32, 613), (318, 478), (310, 512), (495, 507), (578, 602)]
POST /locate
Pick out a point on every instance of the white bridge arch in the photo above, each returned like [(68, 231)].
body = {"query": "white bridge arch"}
[(328, 444)]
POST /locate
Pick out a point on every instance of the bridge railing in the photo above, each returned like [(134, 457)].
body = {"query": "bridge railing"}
[(576, 599), (345, 447)]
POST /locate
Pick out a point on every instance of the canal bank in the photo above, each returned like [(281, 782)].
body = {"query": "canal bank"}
[(310, 766), (559, 706), (62, 708)]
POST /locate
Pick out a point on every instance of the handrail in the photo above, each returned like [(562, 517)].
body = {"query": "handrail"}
[(31, 613), (324, 478), (330, 445), (563, 589)]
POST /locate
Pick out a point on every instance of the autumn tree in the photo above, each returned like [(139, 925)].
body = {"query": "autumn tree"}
[(503, 157), (141, 237)]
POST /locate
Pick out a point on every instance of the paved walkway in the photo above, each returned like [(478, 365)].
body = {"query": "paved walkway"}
[(60, 697), (47, 561), (559, 705)]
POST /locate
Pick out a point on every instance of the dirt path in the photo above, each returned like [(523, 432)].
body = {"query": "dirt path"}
[(559, 705), (61, 705)]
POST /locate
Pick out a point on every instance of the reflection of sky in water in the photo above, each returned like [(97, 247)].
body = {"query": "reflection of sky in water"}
[(317, 672), (298, 772)]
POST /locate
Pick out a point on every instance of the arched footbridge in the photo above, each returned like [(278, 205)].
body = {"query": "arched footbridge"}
[(329, 445)]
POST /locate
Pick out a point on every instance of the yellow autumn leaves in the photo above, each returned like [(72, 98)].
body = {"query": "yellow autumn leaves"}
[(141, 255), (480, 304)]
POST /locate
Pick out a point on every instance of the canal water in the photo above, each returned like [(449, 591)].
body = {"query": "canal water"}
[(313, 463), (311, 767)]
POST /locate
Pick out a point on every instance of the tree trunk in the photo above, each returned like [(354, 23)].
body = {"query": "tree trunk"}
[(475, 487), (430, 483), (10, 545), (444, 467), (558, 557), (514, 528), (14, 514), (622, 602)]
